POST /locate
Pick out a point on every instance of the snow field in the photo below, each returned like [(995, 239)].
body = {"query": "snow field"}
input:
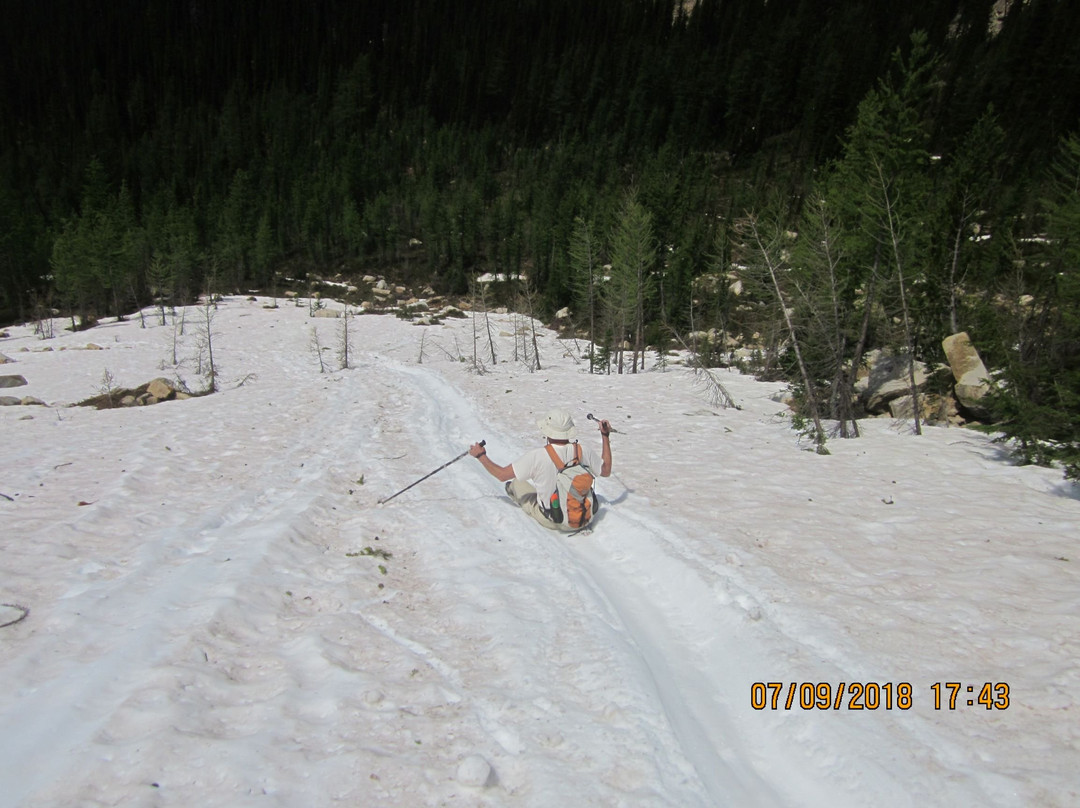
[(233, 619)]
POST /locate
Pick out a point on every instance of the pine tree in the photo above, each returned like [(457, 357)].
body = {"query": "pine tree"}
[(160, 279), (880, 193), (585, 276), (821, 272), (235, 231), (967, 242), (633, 256), (93, 256), (1039, 404)]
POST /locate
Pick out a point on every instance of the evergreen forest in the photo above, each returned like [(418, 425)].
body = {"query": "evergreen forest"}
[(814, 177)]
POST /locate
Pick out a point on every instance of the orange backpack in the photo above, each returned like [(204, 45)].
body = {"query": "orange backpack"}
[(573, 504)]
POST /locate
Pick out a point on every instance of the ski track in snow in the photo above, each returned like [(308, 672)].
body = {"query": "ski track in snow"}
[(656, 596), (234, 620), (447, 421)]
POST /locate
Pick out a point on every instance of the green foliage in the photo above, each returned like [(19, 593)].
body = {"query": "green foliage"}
[(1039, 402), (584, 264), (94, 256), (483, 142), (863, 257), (371, 552), (969, 236), (631, 284)]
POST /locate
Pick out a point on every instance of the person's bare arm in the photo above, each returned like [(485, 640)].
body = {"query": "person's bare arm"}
[(501, 473), (605, 449)]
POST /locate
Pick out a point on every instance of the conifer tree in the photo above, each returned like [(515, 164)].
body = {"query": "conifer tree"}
[(585, 269), (821, 273), (160, 279), (235, 232), (633, 255), (93, 256), (880, 192), (1039, 404), (970, 237)]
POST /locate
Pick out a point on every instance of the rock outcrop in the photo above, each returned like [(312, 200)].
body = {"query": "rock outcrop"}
[(152, 392), (885, 379), (969, 372)]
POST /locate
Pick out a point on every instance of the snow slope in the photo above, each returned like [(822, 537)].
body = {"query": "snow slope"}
[(221, 613)]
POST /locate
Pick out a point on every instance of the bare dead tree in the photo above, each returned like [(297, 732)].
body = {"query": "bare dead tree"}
[(706, 378), (206, 343), (317, 348), (343, 344), (478, 292)]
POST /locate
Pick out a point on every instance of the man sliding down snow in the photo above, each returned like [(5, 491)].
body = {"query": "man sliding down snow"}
[(553, 484)]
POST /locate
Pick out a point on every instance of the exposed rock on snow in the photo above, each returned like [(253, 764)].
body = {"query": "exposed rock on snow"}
[(474, 771), (152, 392)]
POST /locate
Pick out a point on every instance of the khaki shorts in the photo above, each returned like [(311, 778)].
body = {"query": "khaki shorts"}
[(524, 494)]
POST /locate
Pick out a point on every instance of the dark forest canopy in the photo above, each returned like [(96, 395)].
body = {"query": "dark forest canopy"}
[(728, 75), (152, 150)]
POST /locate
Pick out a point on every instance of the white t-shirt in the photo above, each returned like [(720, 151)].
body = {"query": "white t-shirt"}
[(536, 466)]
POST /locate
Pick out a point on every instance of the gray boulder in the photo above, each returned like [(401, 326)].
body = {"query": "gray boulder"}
[(12, 381), (887, 378)]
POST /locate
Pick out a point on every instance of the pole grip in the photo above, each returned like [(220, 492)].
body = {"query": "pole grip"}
[(592, 417)]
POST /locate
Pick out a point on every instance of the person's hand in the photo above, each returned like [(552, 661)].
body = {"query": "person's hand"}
[(477, 450), (605, 428)]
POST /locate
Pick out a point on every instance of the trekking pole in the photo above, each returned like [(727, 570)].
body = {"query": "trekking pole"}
[(440, 468), (592, 417)]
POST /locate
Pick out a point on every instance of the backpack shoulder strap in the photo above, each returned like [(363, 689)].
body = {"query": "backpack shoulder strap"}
[(558, 461), (559, 464)]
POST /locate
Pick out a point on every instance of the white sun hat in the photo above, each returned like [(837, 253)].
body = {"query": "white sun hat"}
[(557, 425)]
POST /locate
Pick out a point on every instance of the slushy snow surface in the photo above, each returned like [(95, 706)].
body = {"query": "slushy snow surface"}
[(221, 613)]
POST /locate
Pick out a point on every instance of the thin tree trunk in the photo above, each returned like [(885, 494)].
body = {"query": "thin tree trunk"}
[(811, 395), (212, 371), (842, 387), (958, 240), (860, 346), (894, 238), (491, 339)]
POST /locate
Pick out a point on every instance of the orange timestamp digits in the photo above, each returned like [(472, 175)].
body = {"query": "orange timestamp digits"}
[(950, 695), (874, 695), (827, 696)]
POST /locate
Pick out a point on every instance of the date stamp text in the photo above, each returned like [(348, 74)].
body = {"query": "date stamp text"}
[(875, 695)]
